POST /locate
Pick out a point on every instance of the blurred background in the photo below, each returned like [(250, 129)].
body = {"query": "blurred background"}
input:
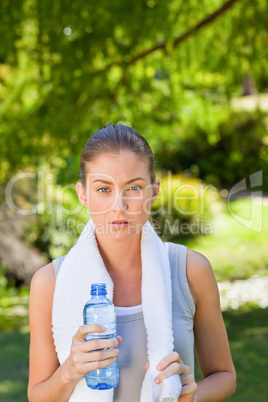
[(191, 77)]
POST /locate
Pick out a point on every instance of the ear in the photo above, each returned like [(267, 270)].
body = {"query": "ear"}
[(156, 188), (81, 192)]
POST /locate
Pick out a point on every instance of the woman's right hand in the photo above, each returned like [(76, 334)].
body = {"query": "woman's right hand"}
[(80, 361)]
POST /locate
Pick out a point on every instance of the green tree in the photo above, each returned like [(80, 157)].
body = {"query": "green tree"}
[(169, 69)]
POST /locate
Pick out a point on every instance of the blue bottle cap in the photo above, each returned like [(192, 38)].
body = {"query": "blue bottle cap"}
[(98, 289)]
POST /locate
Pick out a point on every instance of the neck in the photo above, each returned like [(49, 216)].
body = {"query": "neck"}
[(120, 257)]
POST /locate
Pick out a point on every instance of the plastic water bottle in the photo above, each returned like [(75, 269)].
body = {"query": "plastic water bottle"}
[(100, 310)]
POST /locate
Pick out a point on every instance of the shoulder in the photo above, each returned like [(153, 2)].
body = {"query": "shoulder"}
[(41, 300), (200, 275), (197, 261), (44, 274), (43, 281)]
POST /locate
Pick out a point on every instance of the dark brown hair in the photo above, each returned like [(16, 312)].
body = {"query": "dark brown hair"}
[(113, 139)]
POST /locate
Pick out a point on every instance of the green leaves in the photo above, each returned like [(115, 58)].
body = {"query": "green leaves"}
[(167, 68)]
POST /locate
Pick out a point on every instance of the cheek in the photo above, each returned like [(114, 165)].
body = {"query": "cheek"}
[(141, 204), (100, 204), (147, 206), (148, 202)]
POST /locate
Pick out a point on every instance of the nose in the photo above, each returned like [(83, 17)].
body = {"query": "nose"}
[(120, 203)]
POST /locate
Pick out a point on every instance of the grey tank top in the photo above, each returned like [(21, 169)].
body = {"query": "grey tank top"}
[(133, 348)]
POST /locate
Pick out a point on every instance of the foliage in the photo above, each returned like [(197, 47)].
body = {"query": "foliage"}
[(241, 137), (184, 206), (59, 217), (235, 251), (13, 303), (167, 68)]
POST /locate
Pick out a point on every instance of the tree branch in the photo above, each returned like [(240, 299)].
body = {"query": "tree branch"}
[(177, 41)]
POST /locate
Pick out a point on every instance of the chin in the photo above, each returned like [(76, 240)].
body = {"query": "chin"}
[(122, 236)]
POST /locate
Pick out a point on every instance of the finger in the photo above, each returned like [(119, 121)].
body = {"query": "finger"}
[(189, 389), (146, 367), (170, 358), (187, 379), (98, 355), (87, 367), (104, 354), (173, 368), (96, 344), (119, 338), (170, 370), (83, 330)]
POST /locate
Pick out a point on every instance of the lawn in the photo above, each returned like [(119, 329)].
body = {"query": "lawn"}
[(248, 334), (248, 337), (14, 345)]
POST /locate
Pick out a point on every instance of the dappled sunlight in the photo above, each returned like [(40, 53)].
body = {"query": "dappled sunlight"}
[(244, 293)]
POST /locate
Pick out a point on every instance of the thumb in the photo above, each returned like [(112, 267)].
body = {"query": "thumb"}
[(146, 367)]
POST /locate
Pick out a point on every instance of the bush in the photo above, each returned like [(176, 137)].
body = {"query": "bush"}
[(60, 224), (239, 150), (184, 206), (13, 303)]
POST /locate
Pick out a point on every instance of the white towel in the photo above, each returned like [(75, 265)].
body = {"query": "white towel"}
[(82, 266)]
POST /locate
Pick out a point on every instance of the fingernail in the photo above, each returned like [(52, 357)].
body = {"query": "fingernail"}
[(159, 367), (157, 380), (103, 327)]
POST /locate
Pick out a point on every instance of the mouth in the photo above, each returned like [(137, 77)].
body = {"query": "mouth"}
[(119, 222)]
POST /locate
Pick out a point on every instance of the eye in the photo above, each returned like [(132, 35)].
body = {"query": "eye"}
[(103, 190), (135, 188)]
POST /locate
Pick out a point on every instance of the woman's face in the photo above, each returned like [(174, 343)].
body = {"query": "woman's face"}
[(119, 194)]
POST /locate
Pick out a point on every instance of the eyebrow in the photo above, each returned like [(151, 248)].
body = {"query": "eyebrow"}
[(109, 182)]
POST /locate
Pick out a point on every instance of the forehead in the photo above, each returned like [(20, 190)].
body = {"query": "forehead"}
[(122, 166)]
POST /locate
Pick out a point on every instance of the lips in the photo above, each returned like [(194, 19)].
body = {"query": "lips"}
[(119, 222)]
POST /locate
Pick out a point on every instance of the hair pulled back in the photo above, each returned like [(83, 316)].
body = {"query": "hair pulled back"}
[(113, 139)]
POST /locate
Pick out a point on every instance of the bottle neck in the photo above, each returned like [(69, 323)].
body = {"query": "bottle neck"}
[(98, 297)]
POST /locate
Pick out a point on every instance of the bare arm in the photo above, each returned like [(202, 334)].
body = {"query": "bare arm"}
[(48, 381), (211, 342)]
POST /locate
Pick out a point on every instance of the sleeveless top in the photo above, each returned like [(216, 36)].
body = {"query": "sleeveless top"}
[(130, 326)]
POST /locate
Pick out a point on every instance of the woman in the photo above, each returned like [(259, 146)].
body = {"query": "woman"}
[(118, 186)]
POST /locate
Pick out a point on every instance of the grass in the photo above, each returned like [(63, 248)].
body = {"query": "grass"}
[(14, 345), (248, 337), (248, 334)]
